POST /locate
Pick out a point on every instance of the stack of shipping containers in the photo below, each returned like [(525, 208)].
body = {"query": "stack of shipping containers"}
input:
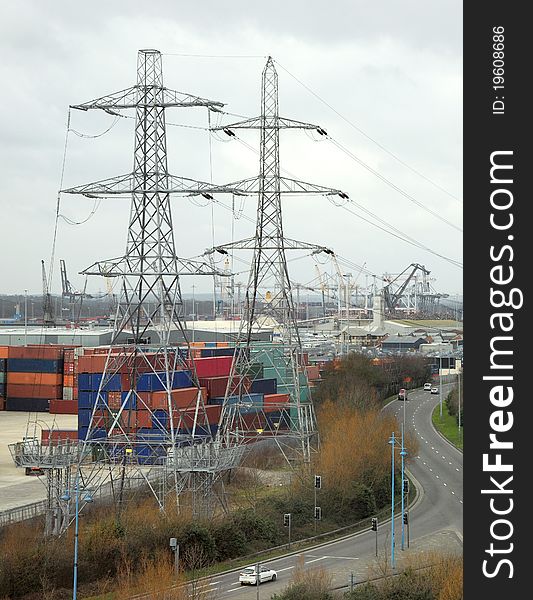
[(3, 369), (34, 377)]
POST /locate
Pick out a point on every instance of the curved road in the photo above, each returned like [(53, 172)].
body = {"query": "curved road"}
[(435, 522)]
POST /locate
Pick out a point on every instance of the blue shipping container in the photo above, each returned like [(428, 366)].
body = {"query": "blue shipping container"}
[(88, 399), (264, 386), (84, 382), (155, 382), (34, 365), (111, 383)]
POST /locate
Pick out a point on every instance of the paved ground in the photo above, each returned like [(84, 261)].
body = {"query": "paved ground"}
[(16, 489)]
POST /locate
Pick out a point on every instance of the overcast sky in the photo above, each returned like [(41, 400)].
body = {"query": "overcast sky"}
[(393, 69)]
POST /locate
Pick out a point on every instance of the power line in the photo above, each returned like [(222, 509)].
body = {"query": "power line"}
[(374, 141), (392, 185)]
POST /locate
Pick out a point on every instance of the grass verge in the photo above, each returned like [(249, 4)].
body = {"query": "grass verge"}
[(447, 425)]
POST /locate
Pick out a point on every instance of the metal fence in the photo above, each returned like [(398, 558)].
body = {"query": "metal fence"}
[(22, 513)]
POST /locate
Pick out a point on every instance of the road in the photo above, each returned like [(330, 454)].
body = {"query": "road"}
[(435, 522)]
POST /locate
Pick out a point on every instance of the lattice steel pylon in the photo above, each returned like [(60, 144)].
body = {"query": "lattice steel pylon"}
[(142, 412), (289, 416)]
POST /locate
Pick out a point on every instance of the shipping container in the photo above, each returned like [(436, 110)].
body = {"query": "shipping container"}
[(264, 386), (154, 382), (33, 365), (216, 366), (64, 407), (27, 404), (35, 378), (20, 390), (180, 398), (54, 436), (36, 352)]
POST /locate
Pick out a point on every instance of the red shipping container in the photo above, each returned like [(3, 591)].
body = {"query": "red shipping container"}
[(185, 418), (216, 386), (34, 391), (51, 436), (63, 407), (182, 398), (312, 372), (36, 352), (276, 399), (144, 418), (213, 366)]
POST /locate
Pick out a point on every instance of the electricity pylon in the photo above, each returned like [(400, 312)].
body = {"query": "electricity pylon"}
[(168, 444), (289, 421)]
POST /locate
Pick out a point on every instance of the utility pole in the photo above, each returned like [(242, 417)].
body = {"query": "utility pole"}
[(392, 442), (25, 317)]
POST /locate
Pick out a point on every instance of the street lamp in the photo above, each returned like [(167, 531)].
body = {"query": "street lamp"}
[(403, 454), (87, 499), (25, 317), (392, 442), (440, 386)]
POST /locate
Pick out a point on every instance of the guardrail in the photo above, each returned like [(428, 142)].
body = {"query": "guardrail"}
[(22, 513)]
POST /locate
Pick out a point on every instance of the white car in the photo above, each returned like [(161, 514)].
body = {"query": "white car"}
[(249, 575), (427, 387), (434, 390)]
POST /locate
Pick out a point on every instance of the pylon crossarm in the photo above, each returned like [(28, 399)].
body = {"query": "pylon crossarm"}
[(123, 185), (269, 123), (251, 244), (155, 265), (132, 98), (286, 185)]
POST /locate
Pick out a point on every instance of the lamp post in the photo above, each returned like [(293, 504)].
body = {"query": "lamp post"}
[(25, 317), (403, 454), (87, 498), (392, 442), (440, 386)]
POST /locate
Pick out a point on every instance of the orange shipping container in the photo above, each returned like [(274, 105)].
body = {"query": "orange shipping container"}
[(68, 380), (34, 378), (4, 351)]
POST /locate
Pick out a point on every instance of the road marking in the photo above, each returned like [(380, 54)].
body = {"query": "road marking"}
[(343, 557), (314, 560), (285, 569)]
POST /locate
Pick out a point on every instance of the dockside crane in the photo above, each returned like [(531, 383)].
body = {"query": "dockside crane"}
[(391, 296), (48, 312)]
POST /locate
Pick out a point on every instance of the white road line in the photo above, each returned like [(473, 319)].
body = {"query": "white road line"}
[(285, 569), (308, 562)]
